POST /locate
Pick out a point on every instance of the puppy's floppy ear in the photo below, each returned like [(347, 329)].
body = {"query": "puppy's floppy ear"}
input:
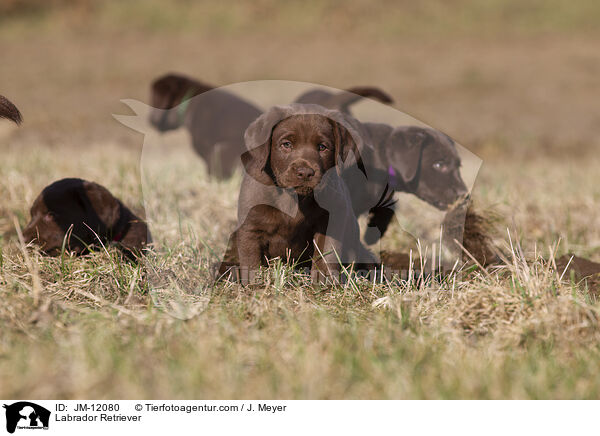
[(258, 142), (104, 204), (344, 145), (256, 163), (404, 150)]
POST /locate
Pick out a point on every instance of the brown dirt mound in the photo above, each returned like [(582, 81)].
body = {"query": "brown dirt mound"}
[(580, 269), (463, 221), (396, 261), (476, 238)]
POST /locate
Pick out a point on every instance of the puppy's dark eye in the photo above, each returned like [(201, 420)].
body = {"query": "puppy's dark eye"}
[(286, 144), (323, 147), (440, 166)]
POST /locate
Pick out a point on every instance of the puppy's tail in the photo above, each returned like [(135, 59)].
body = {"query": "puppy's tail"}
[(352, 95), (9, 111)]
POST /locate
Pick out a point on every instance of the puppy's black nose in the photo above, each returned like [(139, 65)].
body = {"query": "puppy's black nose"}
[(305, 173)]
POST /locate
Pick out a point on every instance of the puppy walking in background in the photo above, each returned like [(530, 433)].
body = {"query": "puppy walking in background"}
[(9, 111), (86, 214), (293, 203), (415, 160), (216, 121)]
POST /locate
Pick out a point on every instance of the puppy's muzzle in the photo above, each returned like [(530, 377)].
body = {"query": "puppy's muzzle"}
[(303, 172)]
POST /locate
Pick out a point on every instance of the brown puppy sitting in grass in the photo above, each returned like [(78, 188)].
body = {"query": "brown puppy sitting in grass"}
[(9, 110), (293, 204), (216, 121), (79, 215)]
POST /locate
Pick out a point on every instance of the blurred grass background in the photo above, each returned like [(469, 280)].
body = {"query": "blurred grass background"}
[(496, 75), (384, 18)]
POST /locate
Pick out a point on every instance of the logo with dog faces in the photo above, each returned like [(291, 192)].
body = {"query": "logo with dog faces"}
[(24, 415), (260, 173)]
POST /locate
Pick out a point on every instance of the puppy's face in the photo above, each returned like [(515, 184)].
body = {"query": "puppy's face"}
[(441, 183), (43, 229), (303, 148), (429, 159), (167, 94)]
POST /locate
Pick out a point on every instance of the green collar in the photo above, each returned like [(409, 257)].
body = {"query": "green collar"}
[(185, 102)]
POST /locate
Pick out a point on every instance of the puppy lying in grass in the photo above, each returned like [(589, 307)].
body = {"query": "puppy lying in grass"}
[(77, 215), (293, 203)]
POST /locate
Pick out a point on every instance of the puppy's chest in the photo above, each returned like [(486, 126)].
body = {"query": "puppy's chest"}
[(293, 236)]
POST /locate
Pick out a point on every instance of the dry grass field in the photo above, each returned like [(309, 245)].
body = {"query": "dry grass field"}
[(517, 85)]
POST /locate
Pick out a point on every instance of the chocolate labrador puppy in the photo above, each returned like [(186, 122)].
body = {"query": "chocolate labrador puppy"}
[(416, 160), (216, 121), (343, 100), (293, 203), (9, 111), (81, 214)]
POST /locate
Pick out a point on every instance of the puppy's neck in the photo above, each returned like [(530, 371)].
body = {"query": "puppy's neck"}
[(305, 199), (379, 135), (120, 228)]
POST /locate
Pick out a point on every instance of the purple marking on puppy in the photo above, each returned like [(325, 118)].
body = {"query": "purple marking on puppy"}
[(393, 180)]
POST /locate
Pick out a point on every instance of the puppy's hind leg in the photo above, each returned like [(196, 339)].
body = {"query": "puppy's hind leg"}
[(229, 266), (222, 160)]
